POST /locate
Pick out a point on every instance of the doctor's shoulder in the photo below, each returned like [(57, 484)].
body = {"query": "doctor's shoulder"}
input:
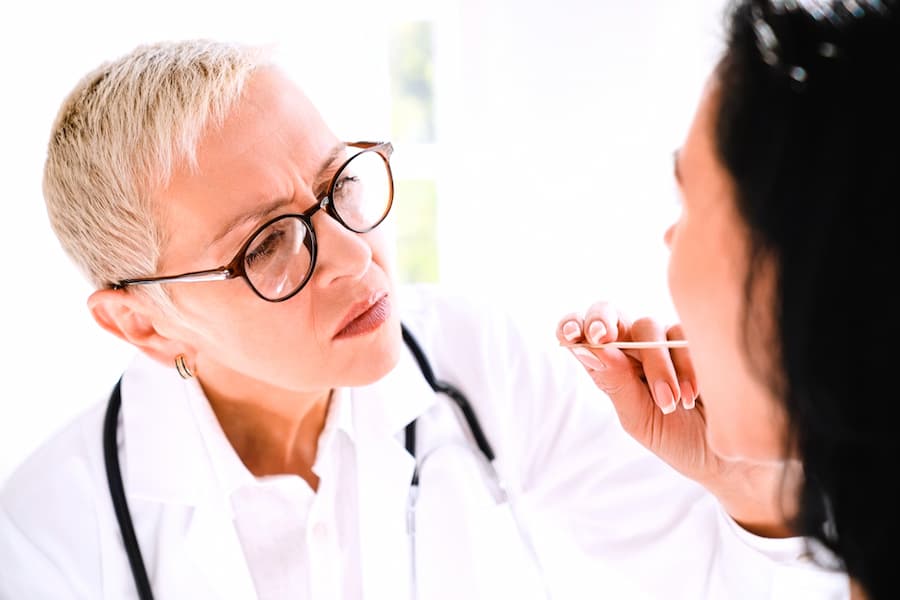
[(466, 327), (478, 345), (49, 513)]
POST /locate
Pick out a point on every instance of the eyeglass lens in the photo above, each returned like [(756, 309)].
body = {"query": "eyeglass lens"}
[(279, 259)]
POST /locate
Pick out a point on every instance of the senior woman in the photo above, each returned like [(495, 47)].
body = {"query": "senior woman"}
[(280, 434)]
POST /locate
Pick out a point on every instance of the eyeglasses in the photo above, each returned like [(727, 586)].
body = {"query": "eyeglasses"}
[(279, 257)]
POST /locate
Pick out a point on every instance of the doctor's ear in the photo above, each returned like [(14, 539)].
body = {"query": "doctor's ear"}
[(131, 317)]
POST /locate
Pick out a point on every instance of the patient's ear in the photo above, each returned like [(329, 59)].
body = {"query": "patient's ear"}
[(131, 318)]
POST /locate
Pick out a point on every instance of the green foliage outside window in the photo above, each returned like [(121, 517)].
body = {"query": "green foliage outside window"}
[(412, 82), (415, 204), (412, 122)]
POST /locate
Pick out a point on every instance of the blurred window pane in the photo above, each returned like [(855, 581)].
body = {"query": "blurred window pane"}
[(412, 81), (411, 54), (416, 215)]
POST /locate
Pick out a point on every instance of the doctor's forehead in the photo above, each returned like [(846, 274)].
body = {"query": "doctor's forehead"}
[(271, 150), (274, 109)]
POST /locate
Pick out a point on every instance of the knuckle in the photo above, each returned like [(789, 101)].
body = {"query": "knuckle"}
[(570, 316), (675, 332), (645, 327)]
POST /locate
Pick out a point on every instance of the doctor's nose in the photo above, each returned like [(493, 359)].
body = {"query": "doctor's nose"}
[(341, 253)]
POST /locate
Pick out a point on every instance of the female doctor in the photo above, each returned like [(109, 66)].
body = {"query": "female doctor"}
[(294, 425)]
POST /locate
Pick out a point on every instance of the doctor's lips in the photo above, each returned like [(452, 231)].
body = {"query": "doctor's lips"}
[(365, 318)]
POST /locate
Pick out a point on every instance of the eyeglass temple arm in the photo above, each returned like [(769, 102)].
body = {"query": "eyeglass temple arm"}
[(210, 275)]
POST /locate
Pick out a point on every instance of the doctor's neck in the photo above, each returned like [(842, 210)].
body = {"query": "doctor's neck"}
[(275, 435)]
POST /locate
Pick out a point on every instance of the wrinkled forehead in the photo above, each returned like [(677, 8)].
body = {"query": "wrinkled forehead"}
[(270, 147), (272, 112)]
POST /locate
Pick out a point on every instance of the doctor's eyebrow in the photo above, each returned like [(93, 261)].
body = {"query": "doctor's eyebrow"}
[(323, 175), (258, 213)]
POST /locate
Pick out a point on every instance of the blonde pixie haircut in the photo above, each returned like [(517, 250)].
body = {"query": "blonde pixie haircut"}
[(118, 138)]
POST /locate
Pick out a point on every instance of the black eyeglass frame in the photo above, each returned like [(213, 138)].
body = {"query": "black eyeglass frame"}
[(235, 267)]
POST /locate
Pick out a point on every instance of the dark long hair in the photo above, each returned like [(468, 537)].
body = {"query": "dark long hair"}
[(808, 126)]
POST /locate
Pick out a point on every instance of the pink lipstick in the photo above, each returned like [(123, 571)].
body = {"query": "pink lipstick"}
[(370, 319)]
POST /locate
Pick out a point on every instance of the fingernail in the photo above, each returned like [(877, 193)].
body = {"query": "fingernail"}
[(687, 395), (665, 400), (571, 330), (588, 359), (596, 331)]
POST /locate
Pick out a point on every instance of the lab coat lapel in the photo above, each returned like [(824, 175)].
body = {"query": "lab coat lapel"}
[(213, 546), (165, 461), (385, 468)]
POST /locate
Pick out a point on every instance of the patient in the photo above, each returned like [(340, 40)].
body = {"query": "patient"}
[(781, 271)]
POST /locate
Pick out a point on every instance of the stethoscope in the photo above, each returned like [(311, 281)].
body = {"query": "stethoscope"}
[(126, 525)]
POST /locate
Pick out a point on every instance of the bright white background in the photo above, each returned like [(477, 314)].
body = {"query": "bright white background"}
[(556, 123)]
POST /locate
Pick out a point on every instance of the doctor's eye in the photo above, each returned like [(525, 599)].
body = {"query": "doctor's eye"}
[(348, 193), (346, 184), (264, 246)]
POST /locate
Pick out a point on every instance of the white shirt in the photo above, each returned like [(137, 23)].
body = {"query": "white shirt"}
[(605, 517)]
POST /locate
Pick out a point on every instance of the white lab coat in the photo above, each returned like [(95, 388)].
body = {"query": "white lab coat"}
[(606, 518)]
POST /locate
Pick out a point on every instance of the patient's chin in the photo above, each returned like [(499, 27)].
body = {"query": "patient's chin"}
[(734, 448)]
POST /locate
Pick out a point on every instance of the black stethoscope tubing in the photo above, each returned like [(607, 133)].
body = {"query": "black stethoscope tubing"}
[(117, 488)]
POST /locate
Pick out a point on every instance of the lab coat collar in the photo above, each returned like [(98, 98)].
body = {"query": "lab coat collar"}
[(158, 405), (197, 464), (167, 460), (384, 471), (387, 406), (175, 452), (165, 457)]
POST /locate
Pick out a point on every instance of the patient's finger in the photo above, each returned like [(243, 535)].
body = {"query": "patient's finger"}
[(684, 368), (569, 330), (657, 364), (604, 323)]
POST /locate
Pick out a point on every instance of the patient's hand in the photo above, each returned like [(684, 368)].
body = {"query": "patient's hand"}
[(656, 397)]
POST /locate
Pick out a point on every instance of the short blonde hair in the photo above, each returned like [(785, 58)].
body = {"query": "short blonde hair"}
[(118, 138)]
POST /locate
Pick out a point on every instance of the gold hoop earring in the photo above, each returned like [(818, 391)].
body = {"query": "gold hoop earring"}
[(182, 368)]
